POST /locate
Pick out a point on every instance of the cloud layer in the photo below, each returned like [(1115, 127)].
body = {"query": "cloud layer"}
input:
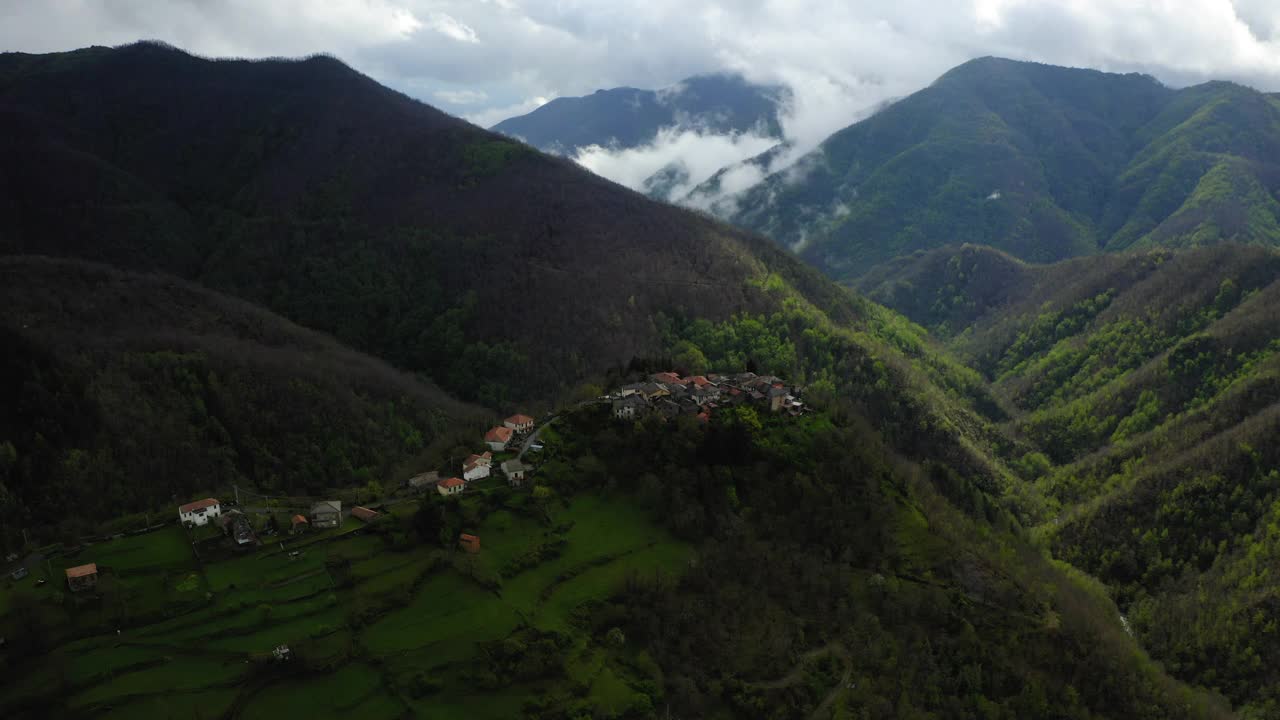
[(488, 59)]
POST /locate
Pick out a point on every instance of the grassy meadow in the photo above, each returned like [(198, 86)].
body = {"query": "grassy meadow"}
[(380, 624)]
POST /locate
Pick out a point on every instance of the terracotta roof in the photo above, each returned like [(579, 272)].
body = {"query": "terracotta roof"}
[(193, 506), (698, 380), (498, 434), (473, 458), (364, 513), (518, 419), (468, 538), (666, 377), (301, 520), (451, 483), (82, 570)]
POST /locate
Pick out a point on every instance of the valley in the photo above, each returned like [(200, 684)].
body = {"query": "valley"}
[(979, 425)]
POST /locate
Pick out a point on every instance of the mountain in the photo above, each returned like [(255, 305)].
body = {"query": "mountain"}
[(861, 558), (1042, 162), (126, 390), (1146, 384), (404, 232), (720, 104)]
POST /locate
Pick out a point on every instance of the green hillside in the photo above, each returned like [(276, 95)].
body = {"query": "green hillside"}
[(869, 558), (1042, 162), (125, 393), (1144, 386), (758, 567), (308, 188)]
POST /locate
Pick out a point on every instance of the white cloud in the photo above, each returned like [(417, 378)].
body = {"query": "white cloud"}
[(494, 115), (840, 57), (460, 97), (451, 27), (701, 155)]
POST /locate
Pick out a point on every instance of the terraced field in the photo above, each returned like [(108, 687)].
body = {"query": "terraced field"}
[(379, 624)]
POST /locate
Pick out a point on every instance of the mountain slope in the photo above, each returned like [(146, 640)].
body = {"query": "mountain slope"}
[(124, 391), (719, 104), (1039, 161), (349, 208), (1148, 384)]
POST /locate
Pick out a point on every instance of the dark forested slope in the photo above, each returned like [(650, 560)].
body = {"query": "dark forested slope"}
[(1042, 162), (308, 188), (125, 391)]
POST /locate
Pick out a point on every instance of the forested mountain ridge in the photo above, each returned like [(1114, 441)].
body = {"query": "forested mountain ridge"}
[(503, 273), (1149, 383), (628, 117), (126, 391), (1043, 162), (349, 208)]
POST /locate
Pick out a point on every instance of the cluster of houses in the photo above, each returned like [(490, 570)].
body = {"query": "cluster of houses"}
[(669, 395), (498, 439), (235, 524)]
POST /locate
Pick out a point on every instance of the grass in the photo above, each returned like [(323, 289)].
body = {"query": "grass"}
[(449, 614), (167, 548), (176, 705), (171, 674), (352, 691), (265, 598)]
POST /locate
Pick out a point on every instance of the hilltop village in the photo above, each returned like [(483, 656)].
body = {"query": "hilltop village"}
[(218, 528), (669, 395)]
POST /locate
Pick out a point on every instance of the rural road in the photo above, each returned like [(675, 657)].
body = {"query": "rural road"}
[(533, 437)]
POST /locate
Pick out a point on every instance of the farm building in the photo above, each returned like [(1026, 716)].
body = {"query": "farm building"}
[(298, 524), (424, 481), (477, 467), (498, 438), (82, 577), (452, 486), (519, 423), (326, 514), (469, 543), (364, 514), (199, 512), (515, 472)]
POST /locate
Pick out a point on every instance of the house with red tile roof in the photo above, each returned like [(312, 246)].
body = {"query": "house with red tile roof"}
[(82, 577), (469, 543), (476, 467), (364, 514), (519, 423), (199, 512), (498, 438), (299, 523), (451, 486), (667, 378)]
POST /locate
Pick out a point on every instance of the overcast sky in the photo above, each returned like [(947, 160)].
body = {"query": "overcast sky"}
[(489, 59)]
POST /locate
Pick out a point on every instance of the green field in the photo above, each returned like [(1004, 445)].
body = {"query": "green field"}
[(378, 628)]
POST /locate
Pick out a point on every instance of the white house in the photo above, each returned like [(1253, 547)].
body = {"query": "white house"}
[(498, 438), (199, 512), (519, 423), (477, 467)]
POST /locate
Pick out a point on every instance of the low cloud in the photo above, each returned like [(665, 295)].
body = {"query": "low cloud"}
[(460, 97), (699, 156), (841, 58)]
